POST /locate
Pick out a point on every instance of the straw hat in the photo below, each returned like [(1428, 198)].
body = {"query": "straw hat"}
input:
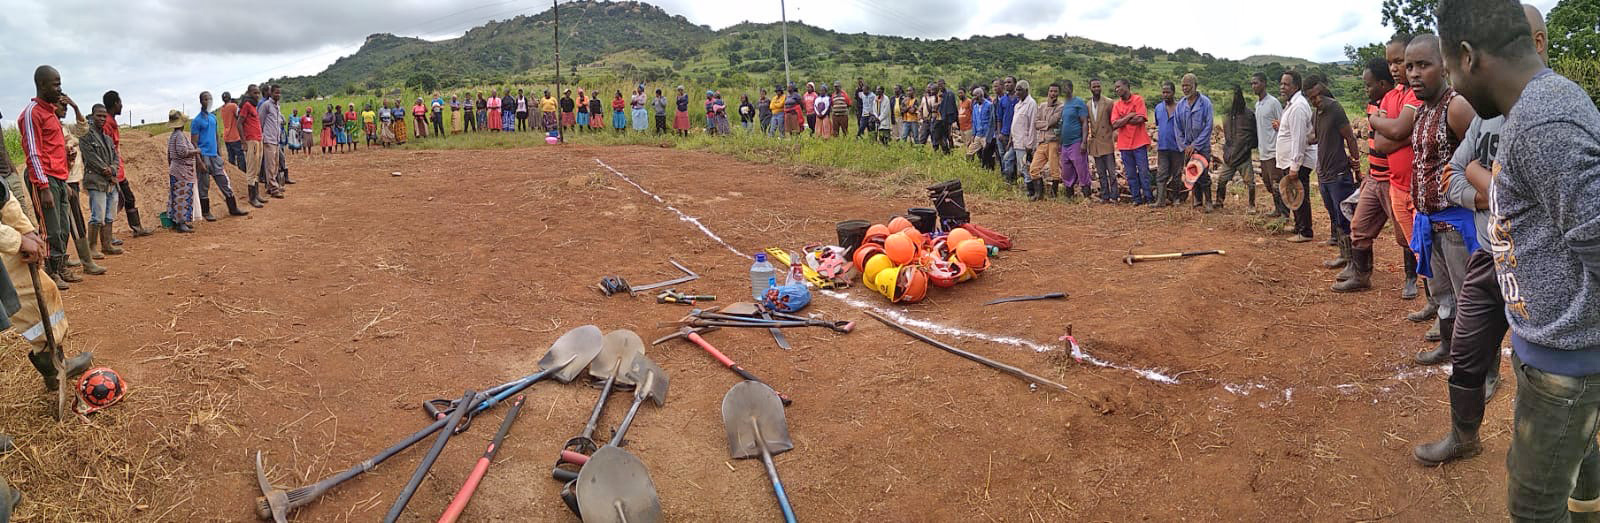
[(175, 119)]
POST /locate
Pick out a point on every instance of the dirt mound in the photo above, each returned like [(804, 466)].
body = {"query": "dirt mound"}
[(145, 161)]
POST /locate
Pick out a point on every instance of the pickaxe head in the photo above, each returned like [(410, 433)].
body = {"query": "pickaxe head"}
[(1129, 258), (276, 500), (683, 331)]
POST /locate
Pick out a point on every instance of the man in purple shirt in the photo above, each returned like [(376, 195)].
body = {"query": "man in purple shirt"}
[(1004, 110)]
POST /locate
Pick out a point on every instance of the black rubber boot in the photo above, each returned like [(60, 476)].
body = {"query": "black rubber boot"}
[(1491, 385), (205, 210), (134, 224), (1428, 311), (1440, 353), (1409, 292), (233, 207), (1038, 189), (76, 366), (1360, 268), (1344, 254), (255, 196), (1466, 415)]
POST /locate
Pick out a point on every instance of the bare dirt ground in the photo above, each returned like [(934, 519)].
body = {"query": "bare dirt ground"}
[(313, 328)]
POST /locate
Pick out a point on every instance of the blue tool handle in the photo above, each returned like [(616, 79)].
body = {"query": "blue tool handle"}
[(777, 487)]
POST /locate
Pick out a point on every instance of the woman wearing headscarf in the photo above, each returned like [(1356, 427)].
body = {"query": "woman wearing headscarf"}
[(547, 112), (619, 121), (352, 127), (385, 125), (720, 108), (508, 112), (567, 106), (641, 117), (181, 157), (583, 111), (455, 115), (680, 119), (306, 128), (399, 111), (419, 116), (494, 110), (809, 99), (747, 112), (822, 124), (711, 112)]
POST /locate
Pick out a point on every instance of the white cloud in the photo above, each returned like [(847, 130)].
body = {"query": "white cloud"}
[(159, 54)]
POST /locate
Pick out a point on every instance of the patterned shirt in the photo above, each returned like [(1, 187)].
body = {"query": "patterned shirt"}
[(179, 161), (1433, 146)]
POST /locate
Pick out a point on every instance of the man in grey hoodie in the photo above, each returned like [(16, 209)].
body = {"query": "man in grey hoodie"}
[(1544, 231)]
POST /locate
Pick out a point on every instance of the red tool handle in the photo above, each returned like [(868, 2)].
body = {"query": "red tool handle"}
[(459, 503), (723, 358), (574, 458)]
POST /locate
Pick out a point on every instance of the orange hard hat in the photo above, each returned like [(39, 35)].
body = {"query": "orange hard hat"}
[(1193, 170), (974, 253), (876, 234), (900, 248), (942, 273), (916, 236), (911, 286), (963, 272), (863, 253), (899, 223), (957, 236)]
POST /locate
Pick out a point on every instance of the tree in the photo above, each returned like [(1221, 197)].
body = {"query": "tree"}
[(1361, 55), (733, 59), (1409, 16), (1574, 29), (422, 82)]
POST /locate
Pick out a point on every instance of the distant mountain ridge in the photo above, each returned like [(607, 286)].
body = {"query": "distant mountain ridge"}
[(616, 42)]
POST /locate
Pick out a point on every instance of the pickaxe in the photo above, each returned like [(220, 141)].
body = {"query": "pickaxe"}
[(693, 335), (1132, 258)]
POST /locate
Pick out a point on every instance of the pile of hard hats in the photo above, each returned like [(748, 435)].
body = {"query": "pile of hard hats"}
[(901, 262)]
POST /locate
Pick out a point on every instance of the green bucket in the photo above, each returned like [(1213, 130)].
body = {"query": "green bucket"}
[(166, 221)]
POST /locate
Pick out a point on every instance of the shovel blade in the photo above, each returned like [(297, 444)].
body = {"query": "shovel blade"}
[(618, 350), (651, 380), (572, 352), (615, 487), (747, 406), (742, 308)]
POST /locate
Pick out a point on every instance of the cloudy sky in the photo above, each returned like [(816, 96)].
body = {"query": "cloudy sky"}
[(161, 53)]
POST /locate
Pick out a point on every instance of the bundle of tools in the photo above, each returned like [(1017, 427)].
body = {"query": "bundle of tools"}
[(754, 316), (618, 484), (612, 491)]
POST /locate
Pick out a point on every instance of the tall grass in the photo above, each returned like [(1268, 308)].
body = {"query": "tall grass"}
[(14, 147), (890, 167)]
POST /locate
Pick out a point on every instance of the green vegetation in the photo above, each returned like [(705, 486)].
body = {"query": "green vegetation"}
[(623, 43), (1574, 31)]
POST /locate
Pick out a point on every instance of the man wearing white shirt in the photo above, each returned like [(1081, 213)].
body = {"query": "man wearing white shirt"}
[(1295, 154), (1023, 134)]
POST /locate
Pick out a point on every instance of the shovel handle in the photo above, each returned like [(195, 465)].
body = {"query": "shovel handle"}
[(726, 362), (575, 458)]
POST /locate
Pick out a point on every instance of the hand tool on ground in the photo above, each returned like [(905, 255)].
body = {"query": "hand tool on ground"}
[(615, 284), (968, 355), (652, 386), (738, 312), (58, 355), (614, 487), (459, 502), (585, 340), (399, 506), (673, 296), (617, 354), (693, 335), (563, 361), (753, 417), (1132, 258), (1051, 296)]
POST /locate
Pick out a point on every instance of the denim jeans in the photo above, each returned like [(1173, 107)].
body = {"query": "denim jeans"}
[(1020, 160), (908, 131), (1334, 192), (1552, 455), (1136, 167), (236, 154), (102, 206)]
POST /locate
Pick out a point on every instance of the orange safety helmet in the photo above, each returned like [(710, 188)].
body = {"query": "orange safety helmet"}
[(863, 253), (916, 236), (899, 223), (900, 248), (963, 272), (957, 236), (876, 234), (942, 274), (911, 286), (973, 253)]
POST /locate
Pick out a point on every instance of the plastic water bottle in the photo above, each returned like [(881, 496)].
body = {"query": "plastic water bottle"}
[(762, 277), (796, 274)]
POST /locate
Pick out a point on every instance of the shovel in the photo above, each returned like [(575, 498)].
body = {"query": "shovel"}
[(617, 354), (753, 417), (652, 386), (615, 487), (755, 313), (565, 359)]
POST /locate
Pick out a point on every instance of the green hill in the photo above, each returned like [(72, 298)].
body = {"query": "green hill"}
[(617, 43)]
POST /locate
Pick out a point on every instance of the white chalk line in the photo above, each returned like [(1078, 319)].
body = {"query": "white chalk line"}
[(1237, 389)]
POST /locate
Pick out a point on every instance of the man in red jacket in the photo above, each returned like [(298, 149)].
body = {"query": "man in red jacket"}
[(113, 103), (45, 147)]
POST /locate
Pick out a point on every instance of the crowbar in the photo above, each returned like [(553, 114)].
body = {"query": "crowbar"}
[(1051, 296), (688, 277), (1131, 258)]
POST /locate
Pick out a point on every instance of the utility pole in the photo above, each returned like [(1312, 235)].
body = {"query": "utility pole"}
[(555, 8), (785, 18)]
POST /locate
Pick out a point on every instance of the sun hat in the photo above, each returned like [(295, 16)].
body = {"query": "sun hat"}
[(175, 119)]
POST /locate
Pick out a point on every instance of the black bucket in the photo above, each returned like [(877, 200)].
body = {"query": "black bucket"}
[(950, 204), (926, 219), (851, 232)]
